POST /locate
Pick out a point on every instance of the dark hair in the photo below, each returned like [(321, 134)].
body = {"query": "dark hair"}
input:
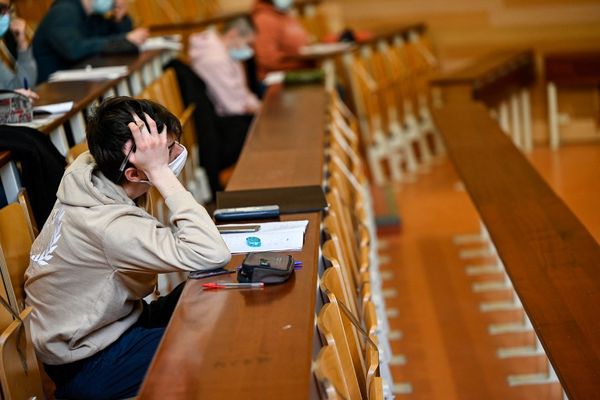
[(107, 130), (244, 25)]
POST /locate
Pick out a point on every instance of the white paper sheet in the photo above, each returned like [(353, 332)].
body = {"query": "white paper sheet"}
[(274, 236), (274, 78), (89, 74), (56, 108), (162, 42), (323, 48)]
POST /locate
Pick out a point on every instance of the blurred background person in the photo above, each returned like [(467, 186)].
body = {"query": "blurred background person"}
[(217, 57), (73, 30), (279, 36), (18, 69)]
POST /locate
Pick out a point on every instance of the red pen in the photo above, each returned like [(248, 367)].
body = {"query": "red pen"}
[(232, 285)]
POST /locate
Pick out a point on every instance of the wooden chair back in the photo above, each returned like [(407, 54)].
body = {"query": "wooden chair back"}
[(331, 284), (328, 371), (76, 151), (401, 67), (16, 238), (332, 250), (19, 371), (6, 292), (339, 224), (376, 389), (23, 200), (371, 352), (329, 322)]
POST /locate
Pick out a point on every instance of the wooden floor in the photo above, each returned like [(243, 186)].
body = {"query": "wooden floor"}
[(449, 352)]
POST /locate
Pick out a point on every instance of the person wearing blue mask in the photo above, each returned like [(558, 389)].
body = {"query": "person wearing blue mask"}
[(217, 58), (23, 71), (74, 30)]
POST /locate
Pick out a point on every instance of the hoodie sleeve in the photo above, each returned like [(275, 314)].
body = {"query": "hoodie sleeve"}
[(141, 244)]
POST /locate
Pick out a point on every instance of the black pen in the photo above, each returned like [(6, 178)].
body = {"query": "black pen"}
[(206, 274), (25, 84)]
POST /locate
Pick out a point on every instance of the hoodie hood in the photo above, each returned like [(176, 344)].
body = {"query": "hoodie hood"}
[(84, 186)]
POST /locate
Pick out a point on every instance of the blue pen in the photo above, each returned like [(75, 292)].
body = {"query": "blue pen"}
[(25, 84)]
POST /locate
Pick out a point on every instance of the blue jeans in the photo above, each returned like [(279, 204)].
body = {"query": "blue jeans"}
[(117, 371)]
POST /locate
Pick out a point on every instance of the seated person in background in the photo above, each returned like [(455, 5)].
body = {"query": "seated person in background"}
[(217, 59), (17, 51), (279, 36), (99, 253), (73, 30)]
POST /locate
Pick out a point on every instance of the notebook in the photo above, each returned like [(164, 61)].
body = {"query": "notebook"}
[(290, 200)]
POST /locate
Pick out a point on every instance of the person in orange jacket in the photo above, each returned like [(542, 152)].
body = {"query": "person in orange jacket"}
[(279, 36)]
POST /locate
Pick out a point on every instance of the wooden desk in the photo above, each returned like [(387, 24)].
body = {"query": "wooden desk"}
[(501, 80), (568, 68), (255, 344), (572, 68), (85, 93), (490, 79), (552, 260)]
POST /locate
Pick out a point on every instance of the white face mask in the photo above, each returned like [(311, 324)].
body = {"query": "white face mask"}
[(102, 6), (4, 24), (176, 165), (241, 53), (179, 162)]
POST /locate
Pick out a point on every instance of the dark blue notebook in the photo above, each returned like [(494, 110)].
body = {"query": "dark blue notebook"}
[(298, 199)]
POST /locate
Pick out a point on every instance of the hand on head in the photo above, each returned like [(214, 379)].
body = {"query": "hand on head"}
[(151, 153), (18, 27)]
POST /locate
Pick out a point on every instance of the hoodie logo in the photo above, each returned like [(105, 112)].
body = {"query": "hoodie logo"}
[(45, 256)]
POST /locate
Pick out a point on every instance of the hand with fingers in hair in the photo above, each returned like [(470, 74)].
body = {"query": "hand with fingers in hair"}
[(149, 152)]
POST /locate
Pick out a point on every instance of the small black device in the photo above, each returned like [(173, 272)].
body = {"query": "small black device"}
[(266, 267), (240, 213)]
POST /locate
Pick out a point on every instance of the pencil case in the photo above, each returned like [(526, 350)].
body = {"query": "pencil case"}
[(266, 267)]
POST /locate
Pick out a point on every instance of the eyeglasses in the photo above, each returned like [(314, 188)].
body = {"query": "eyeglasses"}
[(131, 150)]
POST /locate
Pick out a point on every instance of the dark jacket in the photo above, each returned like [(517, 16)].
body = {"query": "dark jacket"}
[(67, 35), (42, 166)]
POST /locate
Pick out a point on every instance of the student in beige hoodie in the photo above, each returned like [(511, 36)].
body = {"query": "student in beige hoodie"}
[(99, 253)]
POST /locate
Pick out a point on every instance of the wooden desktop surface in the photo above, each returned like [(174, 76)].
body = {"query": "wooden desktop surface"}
[(575, 67), (84, 93), (490, 78), (285, 145), (254, 344), (552, 260)]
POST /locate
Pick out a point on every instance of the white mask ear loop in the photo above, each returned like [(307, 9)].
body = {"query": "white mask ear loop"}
[(176, 165)]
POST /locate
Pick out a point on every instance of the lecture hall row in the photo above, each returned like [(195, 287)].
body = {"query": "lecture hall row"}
[(120, 282)]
